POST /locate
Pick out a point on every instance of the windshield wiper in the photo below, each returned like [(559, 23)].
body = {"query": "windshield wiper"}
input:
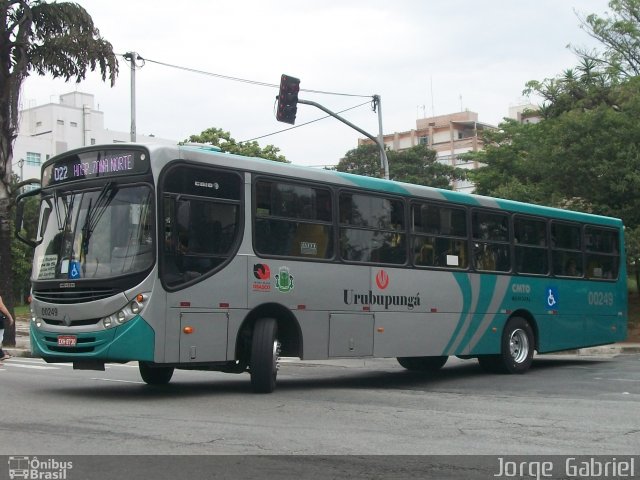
[(95, 212), (62, 220)]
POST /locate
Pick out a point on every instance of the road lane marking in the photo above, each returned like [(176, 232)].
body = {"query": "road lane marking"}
[(33, 367), (116, 380)]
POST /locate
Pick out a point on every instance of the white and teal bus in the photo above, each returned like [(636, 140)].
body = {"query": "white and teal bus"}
[(186, 257)]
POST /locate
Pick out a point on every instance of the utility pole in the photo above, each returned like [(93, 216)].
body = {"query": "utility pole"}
[(132, 57), (384, 163)]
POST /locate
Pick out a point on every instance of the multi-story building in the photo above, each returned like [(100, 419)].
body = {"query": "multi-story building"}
[(53, 128), (449, 135)]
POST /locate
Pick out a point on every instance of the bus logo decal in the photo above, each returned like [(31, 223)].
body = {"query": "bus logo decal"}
[(284, 280), (261, 271), (262, 274), (382, 280)]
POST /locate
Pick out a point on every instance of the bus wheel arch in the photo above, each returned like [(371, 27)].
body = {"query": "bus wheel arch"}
[(289, 332), (526, 315)]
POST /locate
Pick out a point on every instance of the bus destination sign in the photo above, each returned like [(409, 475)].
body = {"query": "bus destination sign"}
[(96, 164)]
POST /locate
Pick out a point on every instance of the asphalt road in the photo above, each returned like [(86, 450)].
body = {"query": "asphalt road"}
[(564, 405)]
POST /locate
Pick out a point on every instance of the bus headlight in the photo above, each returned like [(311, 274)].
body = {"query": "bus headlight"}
[(121, 317), (132, 309), (135, 307)]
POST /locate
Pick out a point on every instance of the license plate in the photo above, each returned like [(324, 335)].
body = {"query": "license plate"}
[(67, 340)]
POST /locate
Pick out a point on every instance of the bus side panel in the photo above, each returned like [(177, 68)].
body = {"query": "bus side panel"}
[(205, 307), (412, 334), (417, 312)]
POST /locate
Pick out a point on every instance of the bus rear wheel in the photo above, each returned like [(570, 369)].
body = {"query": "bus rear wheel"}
[(154, 375), (423, 364), (265, 356), (516, 351)]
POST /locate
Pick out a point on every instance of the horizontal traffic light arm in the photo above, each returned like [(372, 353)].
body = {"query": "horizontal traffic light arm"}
[(347, 122)]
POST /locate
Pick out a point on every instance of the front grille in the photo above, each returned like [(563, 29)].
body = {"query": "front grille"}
[(74, 323), (76, 295)]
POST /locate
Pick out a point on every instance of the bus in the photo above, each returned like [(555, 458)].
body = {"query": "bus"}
[(185, 257)]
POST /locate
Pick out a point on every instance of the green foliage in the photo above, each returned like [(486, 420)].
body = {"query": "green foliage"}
[(619, 36), (581, 158), (417, 165), (22, 254), (222, 139), (65, 43)]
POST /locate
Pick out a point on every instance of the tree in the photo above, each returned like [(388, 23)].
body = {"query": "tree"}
[(619, 34), (220, 138), (580, 158), (55, 38), (417, 165)]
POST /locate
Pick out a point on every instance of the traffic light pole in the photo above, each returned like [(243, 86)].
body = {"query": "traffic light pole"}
[(383, 154)]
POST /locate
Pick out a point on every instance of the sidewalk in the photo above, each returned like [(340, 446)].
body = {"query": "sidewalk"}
[(23, 346)]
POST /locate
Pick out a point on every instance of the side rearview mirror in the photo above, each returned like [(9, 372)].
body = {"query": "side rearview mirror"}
[(20, 201)]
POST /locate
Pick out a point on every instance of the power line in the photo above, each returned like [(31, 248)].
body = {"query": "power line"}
[(244, 80), (302, 124)]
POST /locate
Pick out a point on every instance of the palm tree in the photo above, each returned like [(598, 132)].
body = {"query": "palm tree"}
[(55, 38)]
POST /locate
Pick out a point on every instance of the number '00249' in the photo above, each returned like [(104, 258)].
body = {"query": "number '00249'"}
[(601, 298)]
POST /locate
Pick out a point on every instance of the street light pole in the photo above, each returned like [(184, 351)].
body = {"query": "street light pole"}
[(132, 57)]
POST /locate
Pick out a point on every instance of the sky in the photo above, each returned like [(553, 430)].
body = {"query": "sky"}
[(423, 57)]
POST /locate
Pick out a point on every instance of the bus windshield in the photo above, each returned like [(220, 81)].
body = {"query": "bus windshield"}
[(95, 234)]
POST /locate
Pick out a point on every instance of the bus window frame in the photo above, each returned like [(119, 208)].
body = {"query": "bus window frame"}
[(473, 241), (161, 193), (416, 202), (404, 231), (547, 247), (552, 248), (294, 182)]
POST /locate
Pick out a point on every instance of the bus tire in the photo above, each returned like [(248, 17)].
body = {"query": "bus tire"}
[(153, 375), (423, 364), (517, 345), (516, 349), (265, 355)]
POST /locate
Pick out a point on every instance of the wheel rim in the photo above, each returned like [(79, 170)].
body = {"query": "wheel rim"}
[(276, 356), (519, 345)]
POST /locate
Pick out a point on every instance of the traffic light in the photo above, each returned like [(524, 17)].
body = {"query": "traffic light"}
[(288, 99)]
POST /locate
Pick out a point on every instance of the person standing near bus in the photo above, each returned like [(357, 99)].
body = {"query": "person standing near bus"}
[(5, 318)]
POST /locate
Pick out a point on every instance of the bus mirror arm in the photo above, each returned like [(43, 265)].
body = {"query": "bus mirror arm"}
[(20, 210)]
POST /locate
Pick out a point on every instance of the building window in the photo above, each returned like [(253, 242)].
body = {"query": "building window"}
[(73, 124), (38, 124), (93, 141), (60, 122), (33, 159), (423, 140)]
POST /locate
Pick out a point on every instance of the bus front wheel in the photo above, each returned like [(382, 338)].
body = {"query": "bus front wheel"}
[(153, 375), (423, 364), (265, 355), (516, 351)]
